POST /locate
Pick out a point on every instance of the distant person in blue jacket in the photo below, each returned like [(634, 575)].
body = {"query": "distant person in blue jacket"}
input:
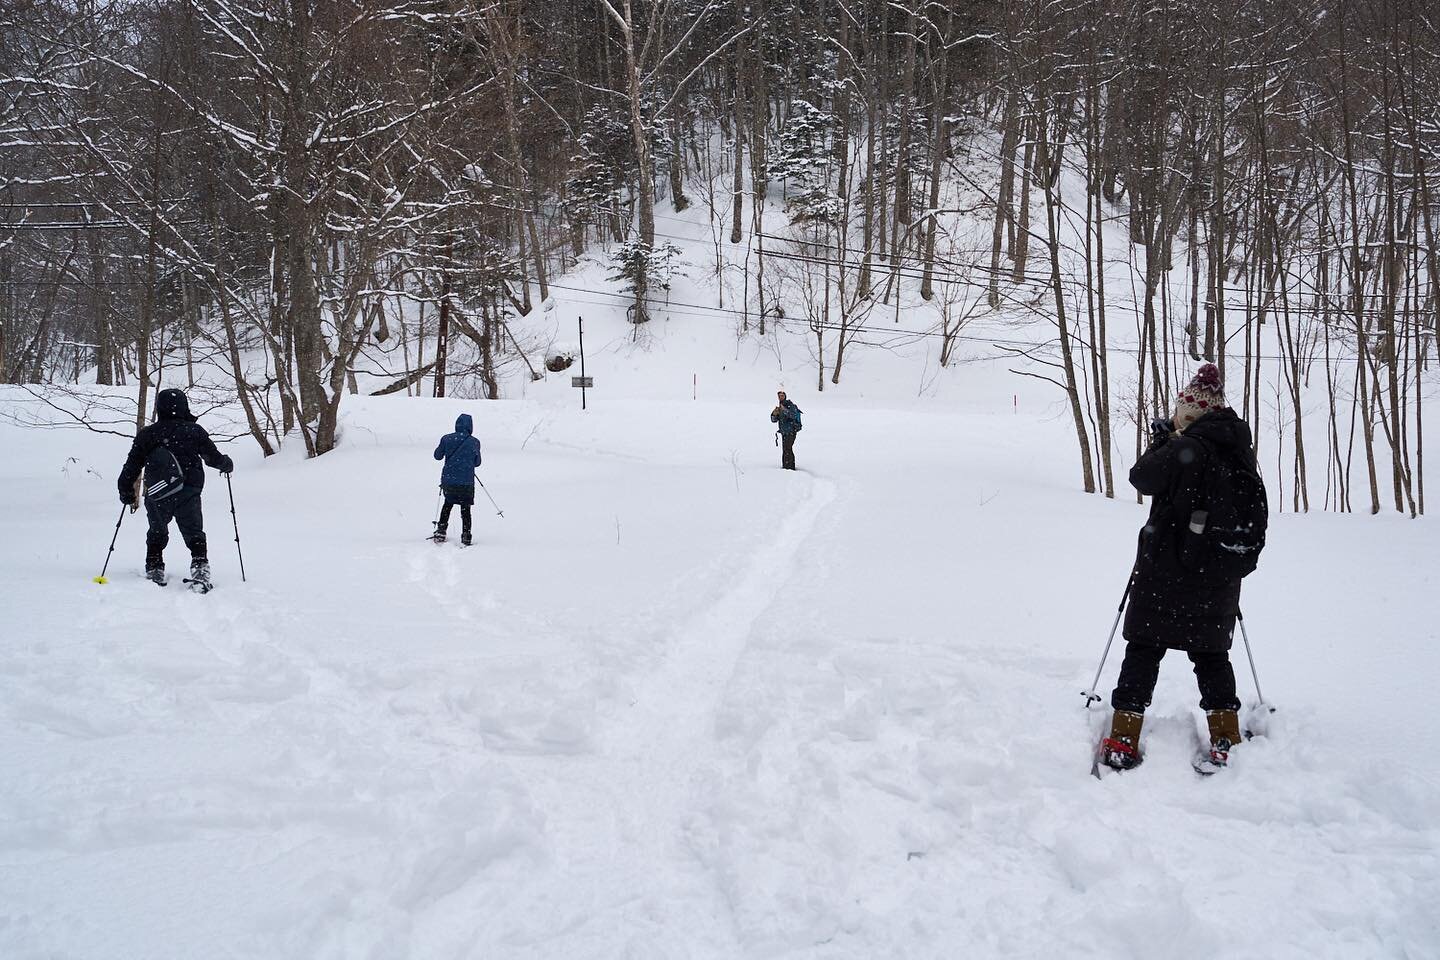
[(786, 417), (461, 453)]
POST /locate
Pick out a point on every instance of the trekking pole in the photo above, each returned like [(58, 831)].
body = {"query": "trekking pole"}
[(492, 499), (439, 508), (236, 523), (1090, 695), (101, 578), (1245, 634)]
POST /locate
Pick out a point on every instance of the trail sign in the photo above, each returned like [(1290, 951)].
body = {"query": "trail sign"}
[(582, 381)]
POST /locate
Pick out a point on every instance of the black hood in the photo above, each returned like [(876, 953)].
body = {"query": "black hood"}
[(172, 405), (1224, 429)]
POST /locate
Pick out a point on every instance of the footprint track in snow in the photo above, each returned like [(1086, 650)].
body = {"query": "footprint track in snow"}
[(704, 650)]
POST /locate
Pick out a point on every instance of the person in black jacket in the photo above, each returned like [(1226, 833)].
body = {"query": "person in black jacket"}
[(1175, 602), (170, 451)]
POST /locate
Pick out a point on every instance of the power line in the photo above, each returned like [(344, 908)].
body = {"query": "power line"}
[(688, 309)]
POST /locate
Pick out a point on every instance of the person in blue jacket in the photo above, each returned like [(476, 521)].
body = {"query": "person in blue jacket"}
[(461, 453), (787, 418)]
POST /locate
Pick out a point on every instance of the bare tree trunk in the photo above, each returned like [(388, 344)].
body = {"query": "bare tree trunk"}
[(1004, 214), (1215, 323), (1052, 203), (939, 137), (645, 164), (738, 187), (1021, 251), (1357, 283), (678, 200), (442, 333), (842, 111), (1095, 277)]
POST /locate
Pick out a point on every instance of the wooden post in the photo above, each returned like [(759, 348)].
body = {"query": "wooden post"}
[(442, 335), (442, 338)]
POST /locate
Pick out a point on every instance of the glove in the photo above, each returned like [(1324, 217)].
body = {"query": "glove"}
[(1160, 429), (127, 498), (227, 466)]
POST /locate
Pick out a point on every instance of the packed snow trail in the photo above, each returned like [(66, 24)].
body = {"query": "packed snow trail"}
[(678, 703)]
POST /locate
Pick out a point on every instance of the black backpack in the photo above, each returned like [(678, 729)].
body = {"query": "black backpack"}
[(164, 477), (1239, 514)]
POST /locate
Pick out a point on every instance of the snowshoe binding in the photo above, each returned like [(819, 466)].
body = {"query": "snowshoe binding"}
[(439, 535), (156, 575), (465, 540), (1119, 755), (1224, 736), (1216, 759), (199, 579), (1121, 750)]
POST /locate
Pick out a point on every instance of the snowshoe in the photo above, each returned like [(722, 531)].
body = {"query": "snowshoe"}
[(156, 575), (1214, 760), (465, 540), (199, 579), (1224, 735), (1119, 755), (439, 535), (1121, 750)]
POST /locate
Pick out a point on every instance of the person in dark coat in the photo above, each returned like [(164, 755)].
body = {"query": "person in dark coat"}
[(787, 417), (173, 444), (1175, 603), (461, 453)]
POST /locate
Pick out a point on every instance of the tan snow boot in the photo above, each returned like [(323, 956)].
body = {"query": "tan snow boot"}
[(1224, 734), (1121, 750)]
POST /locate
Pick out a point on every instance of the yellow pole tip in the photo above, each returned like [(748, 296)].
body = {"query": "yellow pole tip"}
[(102, 579)]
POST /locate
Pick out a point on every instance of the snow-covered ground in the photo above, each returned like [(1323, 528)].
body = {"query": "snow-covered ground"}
[(678, 703)]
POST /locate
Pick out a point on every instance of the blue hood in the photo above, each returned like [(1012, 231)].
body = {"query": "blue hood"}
[(463, 424)]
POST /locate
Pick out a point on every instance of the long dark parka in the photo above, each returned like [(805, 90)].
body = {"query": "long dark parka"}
[(1175, 601)]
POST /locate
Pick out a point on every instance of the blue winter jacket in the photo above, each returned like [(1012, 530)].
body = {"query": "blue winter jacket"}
[(461, 453), (787, 415)]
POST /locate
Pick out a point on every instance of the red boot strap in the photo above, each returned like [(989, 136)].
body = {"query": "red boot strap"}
[(1120, 746)]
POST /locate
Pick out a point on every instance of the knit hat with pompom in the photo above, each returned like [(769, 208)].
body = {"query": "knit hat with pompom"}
[(1205, 392)]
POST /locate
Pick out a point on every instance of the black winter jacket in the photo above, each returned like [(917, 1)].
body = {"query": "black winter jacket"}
[(177, 430), (1174, 601)]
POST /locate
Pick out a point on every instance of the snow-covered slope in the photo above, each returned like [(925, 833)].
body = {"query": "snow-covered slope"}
[(677, 703)]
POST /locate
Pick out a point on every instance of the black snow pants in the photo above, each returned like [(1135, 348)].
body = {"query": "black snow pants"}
[(787, 450), (1141, 670), (184, 509), (464, 495)]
